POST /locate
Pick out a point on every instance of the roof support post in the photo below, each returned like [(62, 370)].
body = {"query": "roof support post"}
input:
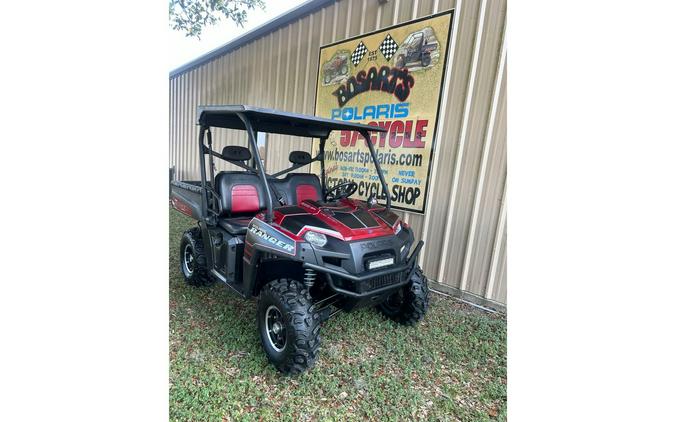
[(260, 169), (202, 170), (377, 166), (322, 144), (210, 142)]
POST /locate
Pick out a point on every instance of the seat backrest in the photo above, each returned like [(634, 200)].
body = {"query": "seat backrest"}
[(241, 192), (297, 187)]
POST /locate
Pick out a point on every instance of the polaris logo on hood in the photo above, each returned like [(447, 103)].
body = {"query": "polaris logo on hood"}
[(286, 246)]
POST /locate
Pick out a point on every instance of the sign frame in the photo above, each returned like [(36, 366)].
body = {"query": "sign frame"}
[(442, 87)]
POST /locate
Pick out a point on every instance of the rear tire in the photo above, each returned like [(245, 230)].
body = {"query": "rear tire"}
[(409, 304), (288, 327), (193, 259)]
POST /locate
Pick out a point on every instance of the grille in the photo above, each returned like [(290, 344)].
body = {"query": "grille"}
[(382, 281)]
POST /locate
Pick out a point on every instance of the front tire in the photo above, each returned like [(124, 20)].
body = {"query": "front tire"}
[(409, 304), (288, 327), (426, 60), (193, 259)]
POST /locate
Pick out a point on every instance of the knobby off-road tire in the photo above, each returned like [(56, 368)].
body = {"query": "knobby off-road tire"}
[(293, 348), (193, 259), (410, 303)]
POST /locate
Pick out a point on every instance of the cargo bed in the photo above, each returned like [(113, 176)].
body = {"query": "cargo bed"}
[(186, 197)]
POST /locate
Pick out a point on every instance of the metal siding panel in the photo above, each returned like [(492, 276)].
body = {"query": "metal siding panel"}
[(425, 7), (353, 18), (488, 60), (369, 16), (487, 208), (406, 10), (310, 66), (185, 135), (387, 14), (172, 121), (499, 295), (192, 145), (446, 4), (447, 142), (496, 289)]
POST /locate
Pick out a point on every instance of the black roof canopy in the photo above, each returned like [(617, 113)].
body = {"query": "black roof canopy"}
[(274, 121)]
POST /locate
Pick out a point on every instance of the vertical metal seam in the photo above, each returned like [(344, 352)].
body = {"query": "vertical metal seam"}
[(172, 120), (297, 68), (288, 69), (435, 6), (227, 95), (323, 25), (349, 18), (378, 16), (189, 143), (193, 131), (497, 249), (396, 7), (198, 101), (310, 32), (183, 134), (362, 24), (462, 139), (335, 19), (416, 5), (441, 123), (272, 140), (287, 80), (485, 156)]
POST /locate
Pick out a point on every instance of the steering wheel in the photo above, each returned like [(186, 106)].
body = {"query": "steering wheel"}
[(343, 190)]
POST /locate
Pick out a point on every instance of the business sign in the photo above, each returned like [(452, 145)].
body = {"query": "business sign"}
[(393, 79)]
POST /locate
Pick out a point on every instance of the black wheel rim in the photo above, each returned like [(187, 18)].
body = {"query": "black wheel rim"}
[(275, 328), (393, 303), (188, 260)]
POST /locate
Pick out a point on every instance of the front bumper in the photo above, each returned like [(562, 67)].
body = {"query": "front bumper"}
[(366, 284)]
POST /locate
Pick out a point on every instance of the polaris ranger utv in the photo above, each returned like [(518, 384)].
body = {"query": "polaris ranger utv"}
[(305, 250)]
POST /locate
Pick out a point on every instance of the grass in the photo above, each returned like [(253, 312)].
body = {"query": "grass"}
[(452, 366)]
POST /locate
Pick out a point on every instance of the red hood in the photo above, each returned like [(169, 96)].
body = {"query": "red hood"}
[(346, 219)]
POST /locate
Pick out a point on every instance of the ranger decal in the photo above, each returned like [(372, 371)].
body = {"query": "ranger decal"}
[(266, 235)]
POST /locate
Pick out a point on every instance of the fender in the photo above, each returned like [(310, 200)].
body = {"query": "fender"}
[(263, 238)]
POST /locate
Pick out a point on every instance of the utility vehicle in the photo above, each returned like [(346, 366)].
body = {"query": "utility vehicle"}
[(337, 66), (417, 47), (305, 250)]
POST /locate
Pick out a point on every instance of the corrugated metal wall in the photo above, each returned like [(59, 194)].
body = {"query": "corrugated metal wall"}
[(465, 224)]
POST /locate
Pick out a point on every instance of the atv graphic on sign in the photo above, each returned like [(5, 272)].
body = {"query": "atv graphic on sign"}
[(418, 51), (336, 69)]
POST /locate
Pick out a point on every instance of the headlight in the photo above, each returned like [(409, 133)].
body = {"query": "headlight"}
[(316, 239), (397, 229)]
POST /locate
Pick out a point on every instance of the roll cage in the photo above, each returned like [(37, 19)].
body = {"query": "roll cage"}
[(254, 120)]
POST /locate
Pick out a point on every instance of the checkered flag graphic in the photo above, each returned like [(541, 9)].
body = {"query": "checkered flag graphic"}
[(358, 53), (388, 47)]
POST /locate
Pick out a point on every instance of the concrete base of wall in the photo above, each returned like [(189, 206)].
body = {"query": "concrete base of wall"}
[(466, 296)]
